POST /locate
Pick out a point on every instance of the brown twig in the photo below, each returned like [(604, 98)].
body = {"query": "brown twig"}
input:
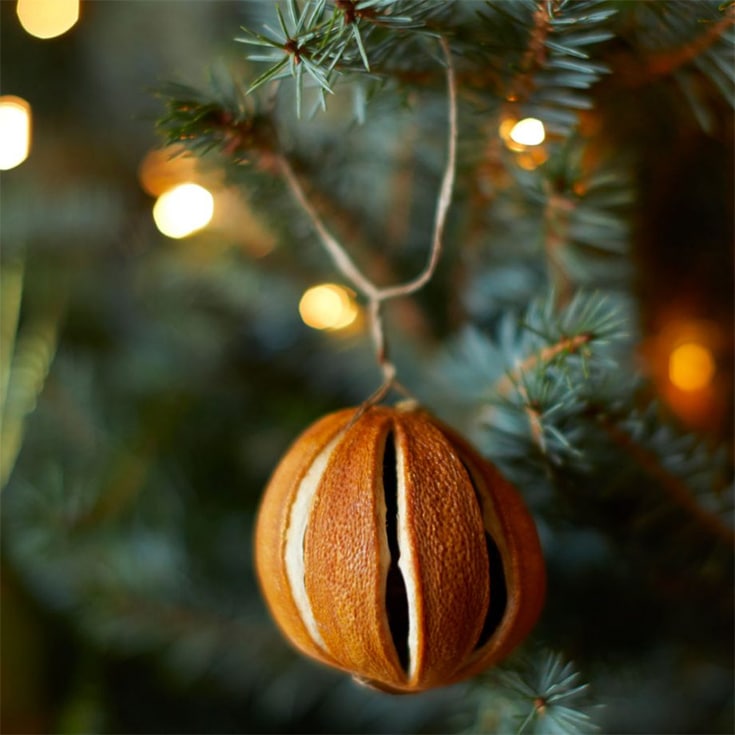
[(534, 57), (568, 344), (663, 63), (534, 420), (557, 219)]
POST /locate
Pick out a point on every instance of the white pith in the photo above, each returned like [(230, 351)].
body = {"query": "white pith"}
[(298, 522), (407, 563), (384, 558)]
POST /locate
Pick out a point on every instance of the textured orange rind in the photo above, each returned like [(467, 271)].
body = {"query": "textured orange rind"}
[(322, 552)]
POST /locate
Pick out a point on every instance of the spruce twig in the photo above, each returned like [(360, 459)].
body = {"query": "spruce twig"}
[(537, 695), (566, 346)]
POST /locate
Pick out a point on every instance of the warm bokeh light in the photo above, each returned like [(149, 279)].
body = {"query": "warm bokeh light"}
[(183, 210), (15, 131), (686, 357), (691, 366), (328, 306), (163, 168), (47, 18), (528, 132), (531, 158)]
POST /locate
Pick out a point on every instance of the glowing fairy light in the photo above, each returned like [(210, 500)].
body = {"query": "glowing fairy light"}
[(328, 306), (691, 366), (47, 18), (528, 132), (15, 131), (183, 210)]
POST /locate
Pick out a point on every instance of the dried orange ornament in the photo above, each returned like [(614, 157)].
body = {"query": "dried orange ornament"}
[(386, 546)]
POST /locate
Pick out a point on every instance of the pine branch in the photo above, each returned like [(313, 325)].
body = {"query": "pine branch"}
[(561, 359), (131, 587), (557, 388), (558, 391), (674, 47), (585, 217), (632, 437), (684, 46), (555, 70), (222, 119), (322, 42), (534, 57), (547, 355), (535, 695), (570, 215), (664, 63)]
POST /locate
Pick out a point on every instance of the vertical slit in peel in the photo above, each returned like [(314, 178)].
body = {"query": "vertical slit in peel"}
[(498, 593), (396, 597), (498, 587)]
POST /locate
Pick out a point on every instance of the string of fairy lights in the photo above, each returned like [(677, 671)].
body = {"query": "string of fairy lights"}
[(186, 204)]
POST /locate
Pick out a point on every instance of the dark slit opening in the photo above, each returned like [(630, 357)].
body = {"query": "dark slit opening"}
[(498, 592), (496, 573), (396, 598)]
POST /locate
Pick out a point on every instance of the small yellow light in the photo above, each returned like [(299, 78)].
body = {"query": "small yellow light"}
[(691, 366), (528, 132), (183, 210), (15, 131), (328, 306), (47, 18)]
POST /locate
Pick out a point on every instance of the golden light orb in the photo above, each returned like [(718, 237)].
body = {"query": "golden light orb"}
[(328, 306), (15, 131), (691, 366), (528, 132), (47, 18), (183, 210)]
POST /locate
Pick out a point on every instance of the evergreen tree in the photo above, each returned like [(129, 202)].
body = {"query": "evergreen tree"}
[(566, 302)]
